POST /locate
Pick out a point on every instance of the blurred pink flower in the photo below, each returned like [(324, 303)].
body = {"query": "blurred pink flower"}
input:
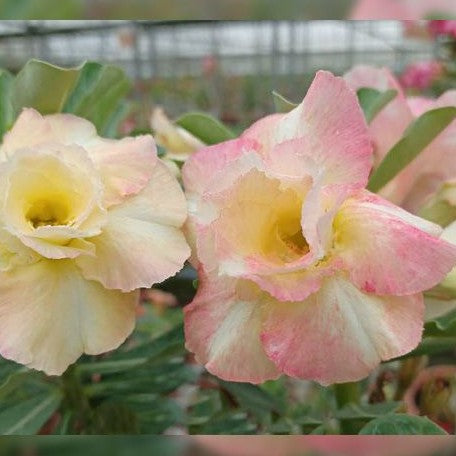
[(421, 75), (298, 262), (438, 28), (401, 9), (435, 165)]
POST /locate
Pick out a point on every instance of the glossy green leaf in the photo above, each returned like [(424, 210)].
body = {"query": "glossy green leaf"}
[(29, 416), (372, 101), (205, 127), (401, 424), (281, 103), (416, 138), (6, 107)]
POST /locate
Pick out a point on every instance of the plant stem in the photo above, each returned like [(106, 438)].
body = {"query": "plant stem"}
[(347, 393)]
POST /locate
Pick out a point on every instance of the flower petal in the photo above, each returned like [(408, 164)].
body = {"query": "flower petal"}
[(204, 169), (263, 131), (222, 329), (142, 243), (337, 138), (126, 166), (50, 315), (386, 250), (340, 334), (32, 129)]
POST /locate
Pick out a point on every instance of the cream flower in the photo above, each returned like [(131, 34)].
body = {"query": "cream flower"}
[(84, 222)]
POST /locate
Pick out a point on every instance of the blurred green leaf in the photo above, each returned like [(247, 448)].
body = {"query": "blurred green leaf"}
[(372, 101), (207, 404), (161, 377), (431, 345), (6, 107), (114, 418), (92, 90), (205, 127), (43, 86), (253, 398), (366, 411), (97, 93), (229, 423), (155, 414), (415, 139), (401, 424), (445, 325), (29, 416), (281, 103)]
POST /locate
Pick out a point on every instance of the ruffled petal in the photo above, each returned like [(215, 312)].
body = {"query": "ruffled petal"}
[(205, 169), (337, 139), (125, 165), (387, 250), (222, 328), (340, 334), (50, 315), (32, 129), (142, 243)]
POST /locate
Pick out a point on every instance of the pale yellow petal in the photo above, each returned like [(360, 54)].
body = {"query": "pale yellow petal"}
[(50, 315)]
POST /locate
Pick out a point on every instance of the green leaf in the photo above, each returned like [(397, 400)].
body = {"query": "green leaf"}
[(205, 127), (43, 86), (229, 423), (29, 416), (6, 107), (366, 411), (372, 101), (252, 397), (402, 424), (416, 138), (155, 414), (91, 90), (207, 404), (97, 93), (445, 325), (281, 103)]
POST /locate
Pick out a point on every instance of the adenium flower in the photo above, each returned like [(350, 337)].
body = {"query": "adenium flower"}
[(84, 222), (302, 270), (422, 178)]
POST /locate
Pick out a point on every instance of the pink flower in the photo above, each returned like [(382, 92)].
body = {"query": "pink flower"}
[(412, 187), (421, 75), (446, 28), (299, 270)]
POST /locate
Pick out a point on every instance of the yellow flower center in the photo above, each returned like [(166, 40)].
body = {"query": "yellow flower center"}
[(45, 212), (284, 238)]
